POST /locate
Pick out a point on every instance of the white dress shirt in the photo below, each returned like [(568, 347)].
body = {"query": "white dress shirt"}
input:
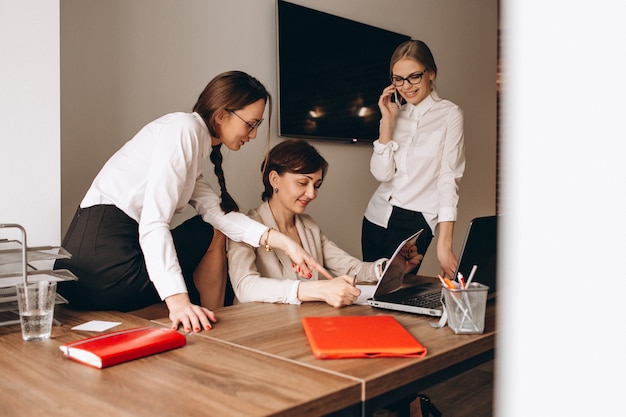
[(156, 174), (421, 167)]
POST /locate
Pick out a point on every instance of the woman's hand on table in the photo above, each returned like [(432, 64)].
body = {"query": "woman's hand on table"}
[(192, 317)]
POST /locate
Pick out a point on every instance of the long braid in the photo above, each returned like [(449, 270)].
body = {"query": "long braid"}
[(229, 90), (228, 204)]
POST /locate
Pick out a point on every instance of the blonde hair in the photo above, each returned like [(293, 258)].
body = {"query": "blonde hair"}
[(416, 50)]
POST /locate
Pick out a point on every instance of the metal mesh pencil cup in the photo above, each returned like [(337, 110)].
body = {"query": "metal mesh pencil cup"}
[(466, 308)]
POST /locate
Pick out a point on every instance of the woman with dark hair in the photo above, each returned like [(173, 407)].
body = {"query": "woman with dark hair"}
[(293, 172), (419, 159), (123, 251)]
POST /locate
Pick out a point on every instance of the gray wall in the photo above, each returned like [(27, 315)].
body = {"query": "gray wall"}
[(124, 63)]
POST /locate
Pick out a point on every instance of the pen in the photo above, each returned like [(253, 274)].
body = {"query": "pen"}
[(442, 281), (354, 283), (450, 284), (459, 276), (446, 282), (471, 275)]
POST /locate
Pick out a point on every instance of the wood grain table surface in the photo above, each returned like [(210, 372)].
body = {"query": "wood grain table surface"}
[(204, 378), (276, 329)]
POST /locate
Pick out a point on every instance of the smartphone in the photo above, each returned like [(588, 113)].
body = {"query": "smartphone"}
[(396, 99)]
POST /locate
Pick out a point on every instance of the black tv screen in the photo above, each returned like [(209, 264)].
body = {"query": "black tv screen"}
[(331, 71)]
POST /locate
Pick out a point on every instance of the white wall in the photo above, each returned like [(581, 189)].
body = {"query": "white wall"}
[(125, 63), (561, 339), (30, 120)]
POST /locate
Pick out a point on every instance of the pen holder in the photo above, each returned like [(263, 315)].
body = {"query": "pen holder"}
[(466, 308)]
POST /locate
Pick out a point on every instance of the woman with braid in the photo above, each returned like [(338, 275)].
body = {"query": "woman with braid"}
[(123, 251)]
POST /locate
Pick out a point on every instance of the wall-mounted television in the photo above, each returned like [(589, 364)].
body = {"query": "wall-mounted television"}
[(331, 71)]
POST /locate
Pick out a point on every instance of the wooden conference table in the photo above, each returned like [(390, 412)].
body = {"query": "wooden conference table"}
[(255, 362), (276, 330), (204, 378)]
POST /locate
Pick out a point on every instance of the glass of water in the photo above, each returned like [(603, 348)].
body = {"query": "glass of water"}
[(36, 307)]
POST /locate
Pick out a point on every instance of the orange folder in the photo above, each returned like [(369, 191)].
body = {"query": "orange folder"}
[(121, 346), (336, 337)]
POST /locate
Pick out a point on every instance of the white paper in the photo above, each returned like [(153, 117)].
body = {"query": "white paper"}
[(96, 325), (367, 291)]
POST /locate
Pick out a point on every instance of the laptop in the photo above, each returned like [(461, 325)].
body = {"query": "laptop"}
[(422, 294)]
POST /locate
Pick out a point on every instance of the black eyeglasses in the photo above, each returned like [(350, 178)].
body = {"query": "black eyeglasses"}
[(252, 126), (413, 79)]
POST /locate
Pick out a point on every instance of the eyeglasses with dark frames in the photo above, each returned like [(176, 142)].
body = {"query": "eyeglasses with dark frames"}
[(252, 126), (412, 79)]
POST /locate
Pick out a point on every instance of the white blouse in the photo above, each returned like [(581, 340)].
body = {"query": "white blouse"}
[(421, 168), (156, 174)]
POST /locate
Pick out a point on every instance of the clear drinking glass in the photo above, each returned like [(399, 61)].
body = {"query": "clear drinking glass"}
[(36, 307)]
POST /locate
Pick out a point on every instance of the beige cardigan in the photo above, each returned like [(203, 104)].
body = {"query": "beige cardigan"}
[(258, 275)]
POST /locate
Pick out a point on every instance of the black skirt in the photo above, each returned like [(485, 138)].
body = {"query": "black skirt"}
[(109, 263), (379, 242)]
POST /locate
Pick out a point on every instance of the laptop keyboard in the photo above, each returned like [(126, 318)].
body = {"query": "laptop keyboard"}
[(431, 300)]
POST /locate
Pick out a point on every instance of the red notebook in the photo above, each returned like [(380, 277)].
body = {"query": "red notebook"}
[(125, 345), (337, 337)]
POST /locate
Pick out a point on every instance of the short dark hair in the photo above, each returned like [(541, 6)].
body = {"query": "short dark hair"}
[(295, 156)]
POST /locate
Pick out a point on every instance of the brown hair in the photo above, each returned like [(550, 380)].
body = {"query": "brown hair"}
[(295, 156), (231, 90), (417, 51)]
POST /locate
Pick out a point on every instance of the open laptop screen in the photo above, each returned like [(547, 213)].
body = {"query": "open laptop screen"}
[(480, 248)]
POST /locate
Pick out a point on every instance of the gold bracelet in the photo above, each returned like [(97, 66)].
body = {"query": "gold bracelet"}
[(267, 246)]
